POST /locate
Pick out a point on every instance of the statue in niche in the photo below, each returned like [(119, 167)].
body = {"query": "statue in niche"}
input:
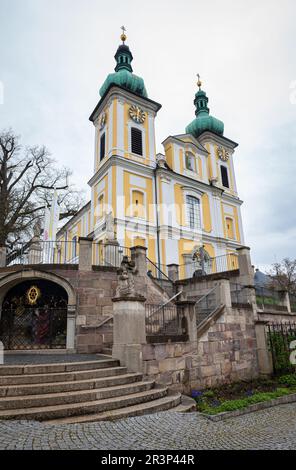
[(126, 282)]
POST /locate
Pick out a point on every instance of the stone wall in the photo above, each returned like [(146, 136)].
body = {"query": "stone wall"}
[(278, 317), (225, 352)]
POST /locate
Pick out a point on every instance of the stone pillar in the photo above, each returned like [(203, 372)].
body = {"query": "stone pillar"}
[(246, 271), (138, 255), (111, 253), (36, 251), (129, 331), (224, 293), (263, 354), (85, 254), (71, 325), (3, 252), (285, 300), (173, 272)]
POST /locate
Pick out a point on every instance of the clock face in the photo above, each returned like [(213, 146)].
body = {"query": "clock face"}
[(137, 114), (103, 120), (222, 154)]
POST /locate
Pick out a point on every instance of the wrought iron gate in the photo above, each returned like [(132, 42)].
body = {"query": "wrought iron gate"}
[(33, 328)]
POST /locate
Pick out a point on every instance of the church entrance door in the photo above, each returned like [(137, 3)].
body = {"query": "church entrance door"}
[(34, 316)]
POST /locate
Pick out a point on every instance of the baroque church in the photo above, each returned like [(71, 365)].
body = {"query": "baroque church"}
[(173, 202)]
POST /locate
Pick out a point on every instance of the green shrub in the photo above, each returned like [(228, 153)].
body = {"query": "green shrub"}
[(231, 405), (209, 394), (289, 380)]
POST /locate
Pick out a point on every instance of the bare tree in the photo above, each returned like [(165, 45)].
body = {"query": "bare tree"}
[(283, 275), (27, 178)]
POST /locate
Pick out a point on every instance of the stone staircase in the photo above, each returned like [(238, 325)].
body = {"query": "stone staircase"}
[(76, 392)]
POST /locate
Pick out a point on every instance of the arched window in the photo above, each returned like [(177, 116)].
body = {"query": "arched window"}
[(102, 147), (229, 228), (136, 141), (224, 176), (138, 204), (190, 161), (193, 212)]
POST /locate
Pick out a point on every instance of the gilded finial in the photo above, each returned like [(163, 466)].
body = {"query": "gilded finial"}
[(123, 35), (199, 83)]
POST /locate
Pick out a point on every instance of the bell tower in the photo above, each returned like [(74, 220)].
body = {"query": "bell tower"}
[(125, 153)]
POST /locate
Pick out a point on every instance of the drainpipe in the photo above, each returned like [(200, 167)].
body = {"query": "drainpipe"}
[(157, 221)]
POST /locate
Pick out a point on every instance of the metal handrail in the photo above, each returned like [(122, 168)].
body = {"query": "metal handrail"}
[(204, 296), (158, 269), (166, 303)]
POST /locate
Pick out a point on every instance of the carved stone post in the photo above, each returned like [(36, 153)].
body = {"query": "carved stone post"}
[(71, 325), (263, 354), (85, 254), (173, 272), (129, 331), (246, 270), (35, 251)]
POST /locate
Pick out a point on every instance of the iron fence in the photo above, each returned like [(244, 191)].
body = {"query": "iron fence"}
[(105, 254), (33, 328), (207, 304), (239, 294), (223, 263), (44, 252), (293, 302), (166, 320), (279, 338), (269, 299)]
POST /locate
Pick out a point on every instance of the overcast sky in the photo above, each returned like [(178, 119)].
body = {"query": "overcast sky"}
[(55, 55)]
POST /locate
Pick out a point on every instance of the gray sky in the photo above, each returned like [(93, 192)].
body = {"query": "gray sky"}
[(55, 55)]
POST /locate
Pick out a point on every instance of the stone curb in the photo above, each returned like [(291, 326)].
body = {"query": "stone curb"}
[(250, 409)]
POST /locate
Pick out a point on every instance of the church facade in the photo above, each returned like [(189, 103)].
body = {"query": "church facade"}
[(172, 202)]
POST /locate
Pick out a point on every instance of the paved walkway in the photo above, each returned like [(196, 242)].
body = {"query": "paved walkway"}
[(273, 428)]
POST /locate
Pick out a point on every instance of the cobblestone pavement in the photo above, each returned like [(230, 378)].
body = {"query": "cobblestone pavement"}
[(273, 428)]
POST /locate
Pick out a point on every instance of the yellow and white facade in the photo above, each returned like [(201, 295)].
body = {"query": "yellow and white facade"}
[(172, 202)]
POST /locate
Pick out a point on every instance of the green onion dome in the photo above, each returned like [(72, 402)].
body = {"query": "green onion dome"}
[(123, 75), (203, 121)]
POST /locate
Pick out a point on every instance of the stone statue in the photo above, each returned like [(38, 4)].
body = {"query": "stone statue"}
[(126, 282), (37, 229), (109, 226)]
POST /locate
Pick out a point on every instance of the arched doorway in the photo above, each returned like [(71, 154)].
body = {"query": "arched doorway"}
[(34, 316)]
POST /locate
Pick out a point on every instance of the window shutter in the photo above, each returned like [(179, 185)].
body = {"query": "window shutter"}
[(136, 136), (224, 176), (102, 147)]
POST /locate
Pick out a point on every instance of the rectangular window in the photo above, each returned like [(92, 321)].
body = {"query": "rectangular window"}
[(102, 147), (193, 212), (136, 141), (224, 176)]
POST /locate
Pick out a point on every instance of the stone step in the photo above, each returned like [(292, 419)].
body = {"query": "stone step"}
[(61, 376), (68, 386), (157, 405), (80, 396), (107, 351), (84, 408), (186, 405), (58, 367)]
